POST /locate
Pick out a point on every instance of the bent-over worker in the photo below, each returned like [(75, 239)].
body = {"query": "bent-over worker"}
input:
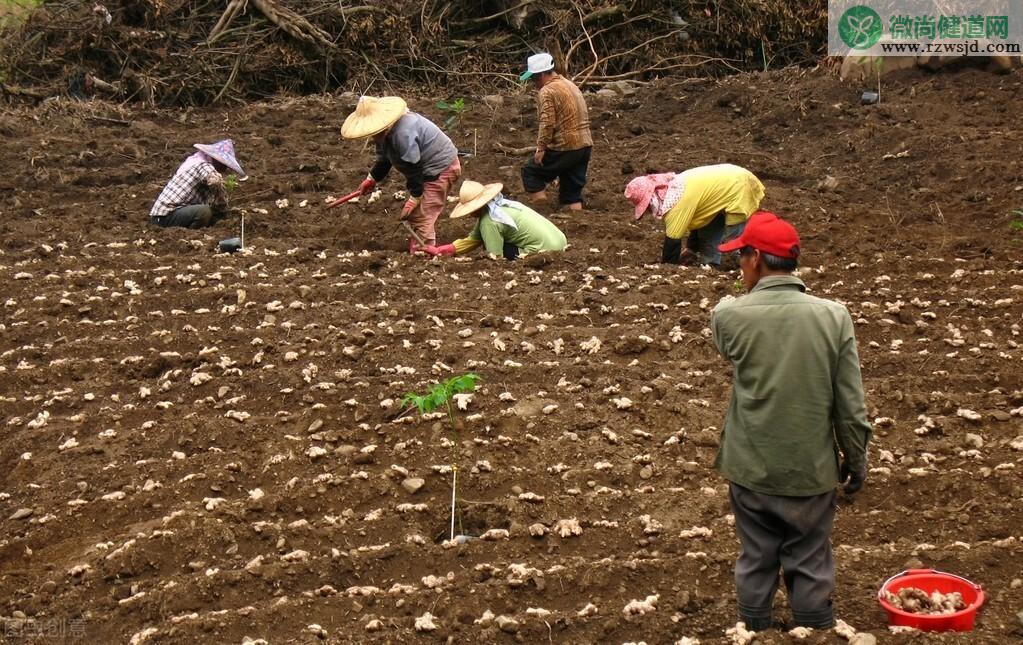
[(195, 196), (503, 227), (708, 203), (417, 148)]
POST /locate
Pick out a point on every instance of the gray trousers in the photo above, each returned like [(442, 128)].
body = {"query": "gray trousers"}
[(788, 533), (195, 216)]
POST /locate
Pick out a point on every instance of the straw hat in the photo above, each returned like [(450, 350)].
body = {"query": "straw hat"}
[(223, 151), (372, 116), (473, 196)]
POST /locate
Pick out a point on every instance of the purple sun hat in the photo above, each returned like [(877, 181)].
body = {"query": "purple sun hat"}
[(223, 151)]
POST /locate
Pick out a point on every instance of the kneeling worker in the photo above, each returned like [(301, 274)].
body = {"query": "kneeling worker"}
[(503, 227), (196, 197)]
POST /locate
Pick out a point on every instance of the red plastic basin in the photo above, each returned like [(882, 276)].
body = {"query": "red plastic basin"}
[(929, 580)]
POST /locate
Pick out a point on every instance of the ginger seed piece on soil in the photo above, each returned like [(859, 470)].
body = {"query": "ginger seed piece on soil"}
[(485, 619), (641, 607), (425, 623), (568, 528), (740, 635)]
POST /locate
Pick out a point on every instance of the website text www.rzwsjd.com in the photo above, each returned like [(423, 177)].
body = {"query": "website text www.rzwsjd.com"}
[(962, 49)]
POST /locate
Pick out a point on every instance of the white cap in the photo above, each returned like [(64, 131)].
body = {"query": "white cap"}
[(537, 63)]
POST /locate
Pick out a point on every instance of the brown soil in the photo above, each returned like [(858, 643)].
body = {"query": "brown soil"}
[(107, 323)]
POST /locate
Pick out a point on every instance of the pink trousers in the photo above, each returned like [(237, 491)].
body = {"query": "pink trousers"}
[(435, 199)]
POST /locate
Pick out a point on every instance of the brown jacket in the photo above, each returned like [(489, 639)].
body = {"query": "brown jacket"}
[(564, 120)]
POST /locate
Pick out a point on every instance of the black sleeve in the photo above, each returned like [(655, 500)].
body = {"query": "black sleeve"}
[(382, 166), (414, 181), (672, 250), (380, 169)]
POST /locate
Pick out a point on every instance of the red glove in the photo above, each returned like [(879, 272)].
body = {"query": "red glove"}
[(410, 205), (367, 185), (446, 249)]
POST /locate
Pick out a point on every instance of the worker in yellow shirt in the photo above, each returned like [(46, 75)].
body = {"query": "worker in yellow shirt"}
[(710, 204)]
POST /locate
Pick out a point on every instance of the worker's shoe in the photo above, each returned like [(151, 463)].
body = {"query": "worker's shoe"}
[(575, 206)]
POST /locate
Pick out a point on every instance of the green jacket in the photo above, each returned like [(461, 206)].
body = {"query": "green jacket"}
[(798, 394), (535, 233)]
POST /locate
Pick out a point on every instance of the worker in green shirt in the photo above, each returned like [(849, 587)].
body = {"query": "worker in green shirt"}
[(503, 227), (796, 426)]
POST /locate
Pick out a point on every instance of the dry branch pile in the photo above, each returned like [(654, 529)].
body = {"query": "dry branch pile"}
[(196, 52)]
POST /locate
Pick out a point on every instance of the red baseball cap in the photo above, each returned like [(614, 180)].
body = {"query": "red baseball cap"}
[(768, 233)]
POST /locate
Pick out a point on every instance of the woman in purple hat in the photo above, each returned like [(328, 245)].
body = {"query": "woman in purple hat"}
[(195, 197)]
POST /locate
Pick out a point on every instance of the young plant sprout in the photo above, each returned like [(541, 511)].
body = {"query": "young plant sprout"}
[(230, 182), (440, 396), (454, 109), (1016, 225)]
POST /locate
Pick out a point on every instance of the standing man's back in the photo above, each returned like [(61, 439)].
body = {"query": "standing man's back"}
[(796, 426), (793, 353)]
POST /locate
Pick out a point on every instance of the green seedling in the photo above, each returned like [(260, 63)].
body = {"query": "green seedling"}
[(737, 286), (231, 182), (438, 397), (1016, 225), (454, 110)]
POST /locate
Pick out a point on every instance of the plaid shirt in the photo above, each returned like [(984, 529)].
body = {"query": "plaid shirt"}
[(195, 182), (564, 120)]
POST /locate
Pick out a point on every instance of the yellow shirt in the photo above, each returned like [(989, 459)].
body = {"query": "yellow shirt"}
[(710, 190)]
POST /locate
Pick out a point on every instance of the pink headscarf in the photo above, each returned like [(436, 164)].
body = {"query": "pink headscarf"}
[(664, 189)]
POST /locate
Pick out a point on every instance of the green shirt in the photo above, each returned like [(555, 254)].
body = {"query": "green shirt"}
[(798, 393), (534, 232)]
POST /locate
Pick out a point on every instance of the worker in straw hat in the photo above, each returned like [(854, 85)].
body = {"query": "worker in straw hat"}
[(707, 204), (417, 148), (196, 196), (564, 142), (503, 227)]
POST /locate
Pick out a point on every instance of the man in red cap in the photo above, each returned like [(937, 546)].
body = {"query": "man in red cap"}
[(796, 426)]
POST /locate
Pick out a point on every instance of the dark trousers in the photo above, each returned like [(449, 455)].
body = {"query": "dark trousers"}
[(702, 243), (790, 533), (568, 167), (195, 216)]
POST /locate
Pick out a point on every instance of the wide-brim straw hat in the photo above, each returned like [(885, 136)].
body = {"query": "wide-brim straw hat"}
[(473, 195), (222, 151), (372, 116)]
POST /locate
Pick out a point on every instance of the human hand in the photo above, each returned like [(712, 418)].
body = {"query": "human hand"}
[(538, 157), (367, 185), (853, 480), (687, 258), (410, 205)]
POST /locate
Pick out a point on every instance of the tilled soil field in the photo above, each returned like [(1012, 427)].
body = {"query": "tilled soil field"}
[(201, 447)]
